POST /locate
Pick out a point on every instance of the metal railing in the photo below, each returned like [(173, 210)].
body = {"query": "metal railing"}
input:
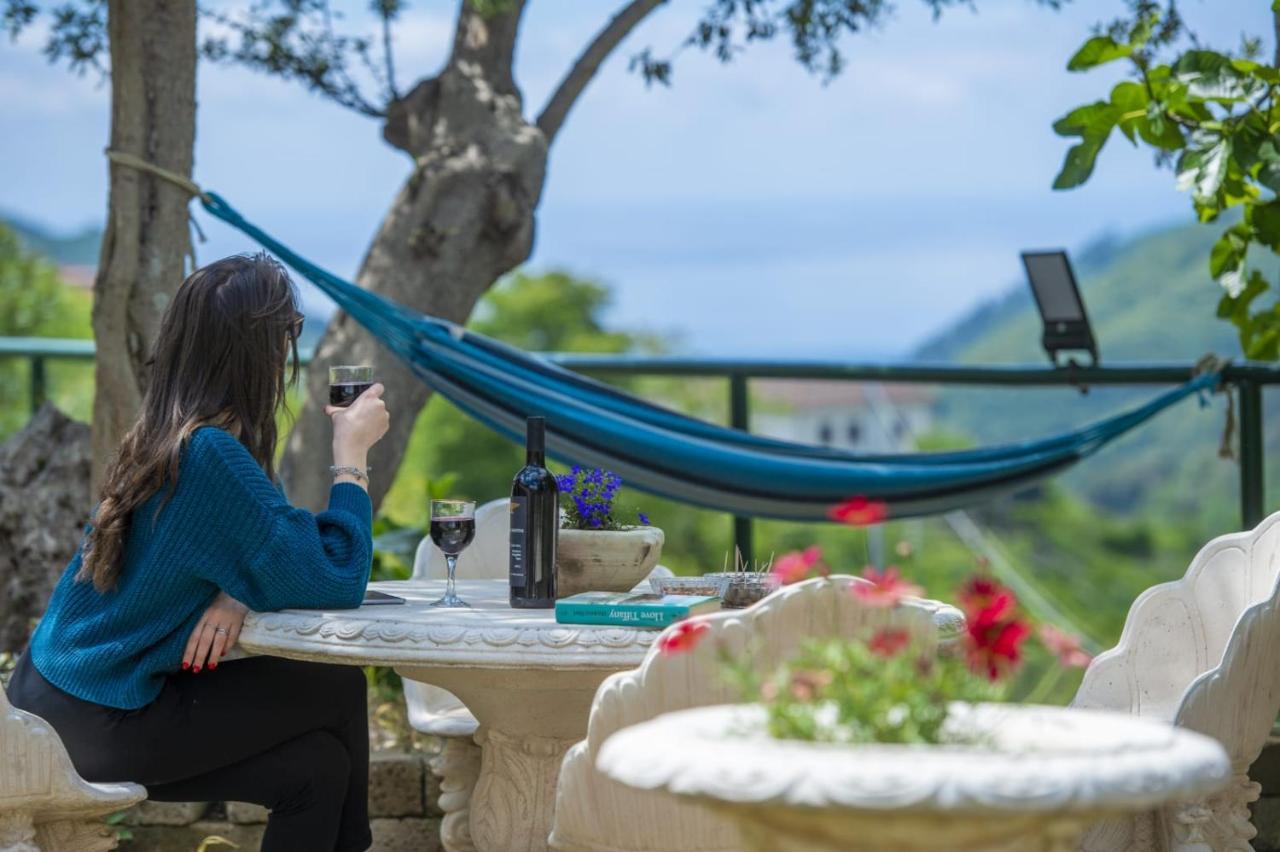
[(1247, 379)]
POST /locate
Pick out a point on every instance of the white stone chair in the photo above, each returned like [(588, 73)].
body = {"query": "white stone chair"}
[(1202, 652), (45, 806), (597, 814), (438, 712)]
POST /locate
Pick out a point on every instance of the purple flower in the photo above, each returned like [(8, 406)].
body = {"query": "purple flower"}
[(644, 519), (592, 492)]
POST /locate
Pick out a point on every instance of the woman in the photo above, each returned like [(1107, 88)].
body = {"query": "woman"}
[(190, 531)]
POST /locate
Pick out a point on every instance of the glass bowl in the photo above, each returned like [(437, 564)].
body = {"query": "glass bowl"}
[(708, 584)]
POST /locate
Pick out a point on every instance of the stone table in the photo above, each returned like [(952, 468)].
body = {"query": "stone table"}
[(528, 680), (1033, 780)]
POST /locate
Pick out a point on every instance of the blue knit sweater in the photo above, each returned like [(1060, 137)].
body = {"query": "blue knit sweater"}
[(226, 526)]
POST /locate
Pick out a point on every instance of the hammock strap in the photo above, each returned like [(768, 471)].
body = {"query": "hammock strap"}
[(133, 161)]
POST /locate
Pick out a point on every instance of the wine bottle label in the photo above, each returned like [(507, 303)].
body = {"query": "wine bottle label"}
[(519, 520)]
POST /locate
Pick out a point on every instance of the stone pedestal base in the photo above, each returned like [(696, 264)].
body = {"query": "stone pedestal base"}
[(528, 720)]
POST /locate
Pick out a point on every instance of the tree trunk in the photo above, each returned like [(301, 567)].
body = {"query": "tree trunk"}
[(464, 217), (153, 76)]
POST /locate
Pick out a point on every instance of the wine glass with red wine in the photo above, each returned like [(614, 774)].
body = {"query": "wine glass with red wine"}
[(347, 383), (453, 526)]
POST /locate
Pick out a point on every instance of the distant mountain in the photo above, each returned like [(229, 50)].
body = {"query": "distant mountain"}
[(1150, 299), (952, 342), (77, 249)]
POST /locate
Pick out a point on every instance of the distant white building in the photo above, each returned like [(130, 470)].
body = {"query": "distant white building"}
[(877, 418)]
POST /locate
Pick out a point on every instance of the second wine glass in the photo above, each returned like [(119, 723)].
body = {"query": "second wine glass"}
[(453, 526)]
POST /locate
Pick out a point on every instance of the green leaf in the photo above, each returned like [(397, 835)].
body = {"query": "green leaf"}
[(1137, 115), (1260, 337), (1265, 219), (1257, 70), (1129, 96), (1202, 169), (1098, 50), (1237, 191), (1211, 76), (1091, 119), (1159, 131), (1269, 176), (1257, 151), (1130, 101), (1079, 163), (1236, 308), (1275, 5), (1093, 124), (1227, 253)]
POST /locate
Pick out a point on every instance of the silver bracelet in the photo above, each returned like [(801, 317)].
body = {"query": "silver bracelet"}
[(339, 470)]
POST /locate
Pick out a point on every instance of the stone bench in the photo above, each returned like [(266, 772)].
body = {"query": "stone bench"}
[(45, 806)]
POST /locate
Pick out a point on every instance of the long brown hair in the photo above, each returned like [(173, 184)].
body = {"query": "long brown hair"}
[(219, 360)]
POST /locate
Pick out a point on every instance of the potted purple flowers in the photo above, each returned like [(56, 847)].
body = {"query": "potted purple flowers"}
[(603, 547)]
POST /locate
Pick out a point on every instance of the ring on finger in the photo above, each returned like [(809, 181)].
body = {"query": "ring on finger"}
[(221, 630)]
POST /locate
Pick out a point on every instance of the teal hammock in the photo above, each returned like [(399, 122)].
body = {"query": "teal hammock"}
[(690, 460)]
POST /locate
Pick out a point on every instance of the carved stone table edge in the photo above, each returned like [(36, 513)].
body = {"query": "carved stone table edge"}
[(382, 642)]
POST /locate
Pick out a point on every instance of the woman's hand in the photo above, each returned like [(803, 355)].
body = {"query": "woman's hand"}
[(358, 427), (217, 632)]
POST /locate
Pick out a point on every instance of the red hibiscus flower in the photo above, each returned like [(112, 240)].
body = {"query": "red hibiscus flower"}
[(682, 637), (979, 592), (799, 565), (1065, 647), (889, 642), (994, 637), (859, 512), (885, 588)]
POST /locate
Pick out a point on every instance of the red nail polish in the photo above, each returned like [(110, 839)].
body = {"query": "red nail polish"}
[(185, 665), (196, 670), (213, 665)]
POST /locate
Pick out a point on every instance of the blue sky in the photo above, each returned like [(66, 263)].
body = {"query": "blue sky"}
[(749, 209)]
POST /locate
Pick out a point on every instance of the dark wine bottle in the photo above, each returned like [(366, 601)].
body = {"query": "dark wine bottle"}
[(535, 524)]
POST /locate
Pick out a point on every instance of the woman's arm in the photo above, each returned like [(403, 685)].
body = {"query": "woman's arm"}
[(268, 554), (356, 428)]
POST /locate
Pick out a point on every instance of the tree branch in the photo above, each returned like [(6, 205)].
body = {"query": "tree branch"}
[(589, 62), (1276, 16), (392, 93)]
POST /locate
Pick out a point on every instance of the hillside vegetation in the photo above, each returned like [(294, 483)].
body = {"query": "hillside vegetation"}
[(1149, 299)]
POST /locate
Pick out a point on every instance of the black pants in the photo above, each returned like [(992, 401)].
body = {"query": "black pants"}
[(288, 735)]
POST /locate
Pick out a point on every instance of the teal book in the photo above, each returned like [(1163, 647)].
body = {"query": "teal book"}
[(630, 609)]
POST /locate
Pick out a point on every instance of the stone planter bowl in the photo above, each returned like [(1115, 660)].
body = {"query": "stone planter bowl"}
[(605, 561), (1035, 780)]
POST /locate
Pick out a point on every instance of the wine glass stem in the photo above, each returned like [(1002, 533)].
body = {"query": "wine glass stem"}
[(452, 562)]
